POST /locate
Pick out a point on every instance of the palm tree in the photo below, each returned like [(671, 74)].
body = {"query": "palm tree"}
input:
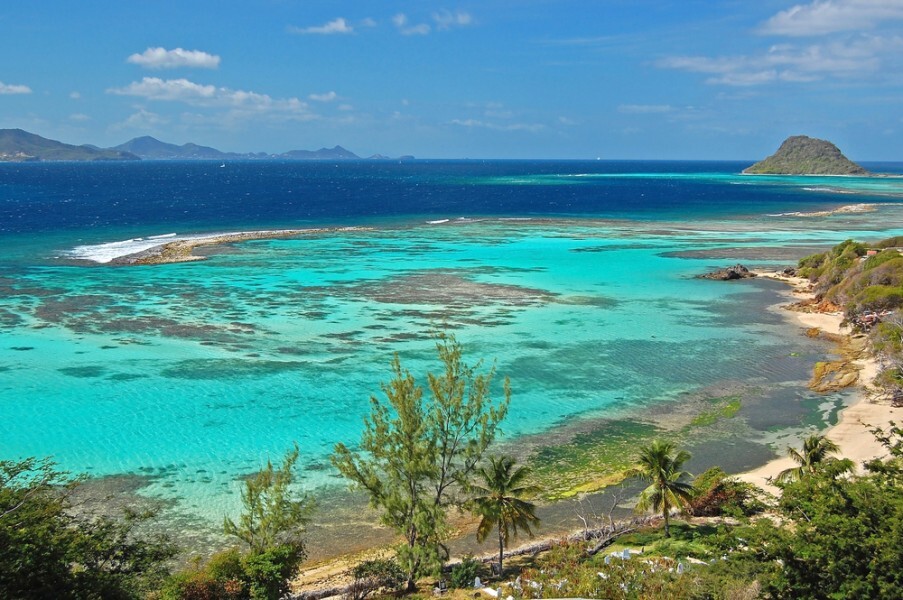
[(661, 465), (500, 504), (816, 454)]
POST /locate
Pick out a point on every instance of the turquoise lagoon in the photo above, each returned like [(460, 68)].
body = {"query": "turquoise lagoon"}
[(190, 376)]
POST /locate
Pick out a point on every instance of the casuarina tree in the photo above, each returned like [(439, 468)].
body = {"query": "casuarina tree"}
[(418, 450)]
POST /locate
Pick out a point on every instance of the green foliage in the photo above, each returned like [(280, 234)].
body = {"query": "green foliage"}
[(892, 242), (661, 465), (269, 572), (717, 494), (499, 502), (417, 450), (890, 470), (815, 457), (47, 551), (879, 259), (231, 575), (841, 540), (464, 573), (273, 515), (877, 298), (375, 574), (812, 266)]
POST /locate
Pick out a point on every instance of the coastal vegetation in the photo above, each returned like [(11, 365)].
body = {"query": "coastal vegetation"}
[(417, 452), (500, 502), (802, 155), (661, 465)]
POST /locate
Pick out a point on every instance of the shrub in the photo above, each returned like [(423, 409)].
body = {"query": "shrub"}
[(464, 573), (893, 242), (879, 259), (719, 495), (878, 297), (374, 574)]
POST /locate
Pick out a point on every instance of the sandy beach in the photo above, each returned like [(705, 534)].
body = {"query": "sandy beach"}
[(870, 409)]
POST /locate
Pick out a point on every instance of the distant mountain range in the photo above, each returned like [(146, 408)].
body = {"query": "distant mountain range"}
[(17, 145)]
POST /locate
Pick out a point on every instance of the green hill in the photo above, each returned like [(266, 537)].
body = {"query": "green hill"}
[(17, 145), (802, 155)]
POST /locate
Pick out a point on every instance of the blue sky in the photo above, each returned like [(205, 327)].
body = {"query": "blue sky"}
[(489, 79)]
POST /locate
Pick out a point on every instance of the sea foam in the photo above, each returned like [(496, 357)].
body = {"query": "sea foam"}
[(109, 251)]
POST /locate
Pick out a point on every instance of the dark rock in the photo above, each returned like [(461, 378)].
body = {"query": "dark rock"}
[(736, 272)]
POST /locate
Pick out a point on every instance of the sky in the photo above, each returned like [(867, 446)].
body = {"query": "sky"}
[(614, 79)]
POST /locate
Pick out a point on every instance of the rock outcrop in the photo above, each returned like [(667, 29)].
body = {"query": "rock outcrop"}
[(728, 273)]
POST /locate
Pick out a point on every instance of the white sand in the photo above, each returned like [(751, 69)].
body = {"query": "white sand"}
[(853, 431)]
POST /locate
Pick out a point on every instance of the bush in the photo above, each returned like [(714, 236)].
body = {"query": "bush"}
[(719, 495), (893, 242), (879, 259), (464, 573), (229, 575), (374, 574), (878, 297)]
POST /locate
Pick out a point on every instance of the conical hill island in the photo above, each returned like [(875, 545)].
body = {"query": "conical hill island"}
[(802, 155)]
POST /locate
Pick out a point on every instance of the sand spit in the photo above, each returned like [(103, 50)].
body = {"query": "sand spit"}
[(843, 210), (871, 409), (183, 250)]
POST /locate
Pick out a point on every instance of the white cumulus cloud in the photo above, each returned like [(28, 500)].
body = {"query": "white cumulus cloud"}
[(859, 57), (10, 89), (161, 58), (822, 17), (195, 94), (336, 26)]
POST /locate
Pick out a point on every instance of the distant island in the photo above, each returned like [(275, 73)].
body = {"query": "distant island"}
[(802, 155), (17, 145)]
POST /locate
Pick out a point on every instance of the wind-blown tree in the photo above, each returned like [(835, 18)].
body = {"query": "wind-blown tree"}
[(417, 451), (817, 453), (499, 501), (661, 465)]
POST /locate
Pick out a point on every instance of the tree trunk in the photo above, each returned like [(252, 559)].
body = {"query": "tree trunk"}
[(501, 550), (667, 515)]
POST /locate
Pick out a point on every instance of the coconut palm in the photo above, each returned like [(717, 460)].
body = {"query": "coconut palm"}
[(661, 464), (499, 501), (816, 454)]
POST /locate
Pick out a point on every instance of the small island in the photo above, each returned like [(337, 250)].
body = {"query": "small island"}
[(802, 155)]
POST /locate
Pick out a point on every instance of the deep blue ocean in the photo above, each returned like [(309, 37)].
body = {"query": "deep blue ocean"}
[(91, 197), (575, 278)]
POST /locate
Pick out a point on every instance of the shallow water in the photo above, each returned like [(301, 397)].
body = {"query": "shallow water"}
[(191, 375)]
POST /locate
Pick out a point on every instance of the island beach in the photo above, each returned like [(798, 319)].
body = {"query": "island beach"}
[(853, 431)]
